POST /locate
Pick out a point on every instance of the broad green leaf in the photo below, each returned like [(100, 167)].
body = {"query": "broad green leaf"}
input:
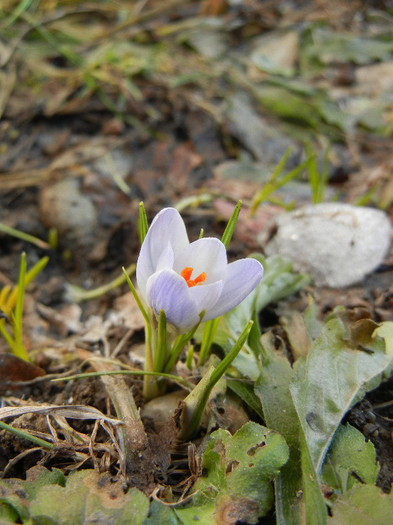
[(363, 505), (385, 330), (204, 514), (16, 494), (238, 473), (89, 497), (315, 507), (350, 459), (343, 363), (162, 514), (8, 513), (298, 495)]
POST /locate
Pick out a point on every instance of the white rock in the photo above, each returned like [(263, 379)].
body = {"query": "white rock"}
[(337, 244), (65, 207)]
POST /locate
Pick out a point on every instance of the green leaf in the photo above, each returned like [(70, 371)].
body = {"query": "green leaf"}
[(90, 497), (7, 514), (38, 477), (350, 459), (297, 491), (312, 324), (363, 505), (329, 46), (343, 363), (279, 280), (17, 494), (246, 393), (238, 471)]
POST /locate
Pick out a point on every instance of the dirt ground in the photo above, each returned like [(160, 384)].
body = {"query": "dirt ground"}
[(72, 173)]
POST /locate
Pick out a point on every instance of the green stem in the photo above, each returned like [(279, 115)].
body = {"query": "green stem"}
[(25, 435), (209, 332), (85, 375), (150, 384), (180, 343), (159, 358)]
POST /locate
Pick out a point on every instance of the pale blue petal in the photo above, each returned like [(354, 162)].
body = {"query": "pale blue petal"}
[(168, 291), (241, 278), (204, 255), (167, 228), (206, 296)]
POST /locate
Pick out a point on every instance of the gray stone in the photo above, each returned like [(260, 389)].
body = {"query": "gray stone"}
[(337, 244), (264, 141)]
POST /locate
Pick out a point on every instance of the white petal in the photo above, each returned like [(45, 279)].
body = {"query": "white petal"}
[(166, 258), (241, 278), (167, 228), (168, 291), (204, 255)]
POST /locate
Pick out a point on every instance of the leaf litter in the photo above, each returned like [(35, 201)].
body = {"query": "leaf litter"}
[(193, 103)]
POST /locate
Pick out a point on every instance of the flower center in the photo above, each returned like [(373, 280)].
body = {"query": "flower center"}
[(186, 274)]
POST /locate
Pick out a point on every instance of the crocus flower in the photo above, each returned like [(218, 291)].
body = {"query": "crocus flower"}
[(185, 279)]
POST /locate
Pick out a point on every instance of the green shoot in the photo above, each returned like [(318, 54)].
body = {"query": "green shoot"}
[(11, 304), (228, 233), (365, 199), (276, 182), (19, 350), (143, 225), (318, 181), (53, 238), (23, 236)]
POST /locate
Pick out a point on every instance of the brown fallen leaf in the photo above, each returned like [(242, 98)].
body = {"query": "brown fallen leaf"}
[(14, 369)]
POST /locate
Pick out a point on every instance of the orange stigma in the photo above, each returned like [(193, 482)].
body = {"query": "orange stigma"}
[(186, 274)]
